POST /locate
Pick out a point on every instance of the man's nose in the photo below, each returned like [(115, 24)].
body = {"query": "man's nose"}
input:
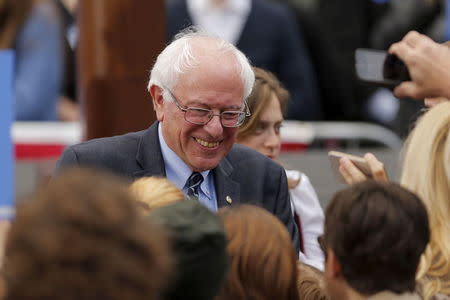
[(214, 127)]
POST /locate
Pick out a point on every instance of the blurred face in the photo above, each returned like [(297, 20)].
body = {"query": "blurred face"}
[(430, 102), (210, 86), (266, 139)]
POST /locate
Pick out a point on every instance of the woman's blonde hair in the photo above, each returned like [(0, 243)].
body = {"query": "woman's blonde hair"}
[(265, 87), (263, 262), (426, 171), (155, 192)]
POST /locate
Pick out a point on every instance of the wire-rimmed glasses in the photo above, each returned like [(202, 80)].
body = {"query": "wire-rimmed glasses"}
[(201, 116)]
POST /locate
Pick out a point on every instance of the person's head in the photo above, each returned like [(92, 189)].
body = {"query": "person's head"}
[(13, 15), (374, 236), (310, 284), (155, 192), (263, 261), (197, 72), (267, 102), (81, 237), (430, 102), (199, 245), (426, 171)]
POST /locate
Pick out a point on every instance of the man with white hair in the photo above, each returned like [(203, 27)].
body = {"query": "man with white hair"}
[(198, 84)]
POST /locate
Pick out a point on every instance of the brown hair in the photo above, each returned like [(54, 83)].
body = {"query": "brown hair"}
[(13, 14), (310, 283), (155, 192), (265, 87), (81, 237), (378, 232), (263, 261)]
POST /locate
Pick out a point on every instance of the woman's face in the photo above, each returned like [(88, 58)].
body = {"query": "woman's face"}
[(266, 138)]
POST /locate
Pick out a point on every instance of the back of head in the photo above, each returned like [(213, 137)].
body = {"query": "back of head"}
[(426, 171), (13, 14), (266, 86), (81, 237), (155, 192), (199, 246), (310, 283), (187, 50), (377, 232), (263, 262)]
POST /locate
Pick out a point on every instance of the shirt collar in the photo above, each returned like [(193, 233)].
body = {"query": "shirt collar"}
[(177, 170), (204, 6)]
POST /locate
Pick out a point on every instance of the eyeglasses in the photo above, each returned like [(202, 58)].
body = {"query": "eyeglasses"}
[(201, 116)]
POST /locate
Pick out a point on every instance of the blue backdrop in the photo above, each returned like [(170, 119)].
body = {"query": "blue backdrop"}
[(6, 148)]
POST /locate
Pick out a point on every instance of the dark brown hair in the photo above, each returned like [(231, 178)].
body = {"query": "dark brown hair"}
[(378, 232), (263, 261), (265, 87), (81, 237), (13, 14)]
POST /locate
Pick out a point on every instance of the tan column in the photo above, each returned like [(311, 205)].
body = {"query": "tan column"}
[(118, 44)]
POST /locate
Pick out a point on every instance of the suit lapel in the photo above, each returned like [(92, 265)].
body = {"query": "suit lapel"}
[(227, 190), (149, 156)]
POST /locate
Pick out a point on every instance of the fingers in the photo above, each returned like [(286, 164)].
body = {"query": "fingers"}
[(350, 172), (407, 89), (376, 167)]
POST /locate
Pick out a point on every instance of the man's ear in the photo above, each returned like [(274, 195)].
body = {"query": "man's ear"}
[(158, 101), (333, 266)]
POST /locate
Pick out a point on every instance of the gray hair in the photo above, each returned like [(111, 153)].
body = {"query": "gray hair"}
[(178, 58)]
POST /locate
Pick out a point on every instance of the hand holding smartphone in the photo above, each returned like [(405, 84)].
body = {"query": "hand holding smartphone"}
[(380, 68), (359, 162)]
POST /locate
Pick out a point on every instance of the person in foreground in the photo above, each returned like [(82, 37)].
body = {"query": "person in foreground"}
[(198, 242), (426, 171), (374, 236), (82, 237), (261, 131), (263, 264), (199, 85)]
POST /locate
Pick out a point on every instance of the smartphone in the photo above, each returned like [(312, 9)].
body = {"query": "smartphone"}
[(380, 68), (358, 161)]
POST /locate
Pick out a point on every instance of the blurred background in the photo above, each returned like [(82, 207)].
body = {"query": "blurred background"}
[(81, 66)]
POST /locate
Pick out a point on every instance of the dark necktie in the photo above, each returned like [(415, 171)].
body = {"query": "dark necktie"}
[(193, 184)]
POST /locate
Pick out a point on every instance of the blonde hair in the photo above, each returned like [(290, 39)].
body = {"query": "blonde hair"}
[(426, 171), (155, 192), (310, 283)]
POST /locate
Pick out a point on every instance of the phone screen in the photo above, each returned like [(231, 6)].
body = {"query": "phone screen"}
[(379, 67)]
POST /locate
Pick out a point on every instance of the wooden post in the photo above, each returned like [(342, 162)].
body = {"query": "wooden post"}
[(118, 44)]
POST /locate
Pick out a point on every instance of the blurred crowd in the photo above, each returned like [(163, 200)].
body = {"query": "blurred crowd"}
[(198, 206), (308, 44)]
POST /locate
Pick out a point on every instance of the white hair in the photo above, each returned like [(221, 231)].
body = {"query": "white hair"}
[(178, 58)]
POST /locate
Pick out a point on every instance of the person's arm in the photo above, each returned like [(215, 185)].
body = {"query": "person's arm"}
[(353, 175), (428, 64), (39, 65)]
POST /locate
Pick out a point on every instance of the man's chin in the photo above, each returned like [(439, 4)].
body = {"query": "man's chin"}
[(201, 165)]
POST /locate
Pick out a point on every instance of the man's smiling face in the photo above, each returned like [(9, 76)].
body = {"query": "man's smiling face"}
[(213, 84)]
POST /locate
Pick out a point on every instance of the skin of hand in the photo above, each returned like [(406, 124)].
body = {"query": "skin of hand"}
[(352, 174), (428, 64)]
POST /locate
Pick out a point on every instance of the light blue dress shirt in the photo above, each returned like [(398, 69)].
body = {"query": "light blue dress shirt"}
[(177, 171)]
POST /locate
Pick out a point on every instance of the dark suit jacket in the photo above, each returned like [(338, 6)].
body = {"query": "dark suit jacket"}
[(244, 175), (271, 40)]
